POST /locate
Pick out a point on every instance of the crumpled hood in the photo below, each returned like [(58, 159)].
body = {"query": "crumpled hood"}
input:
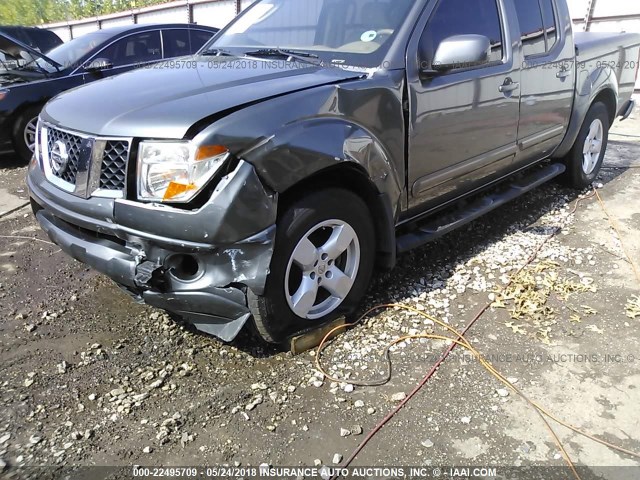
[(165, 101)]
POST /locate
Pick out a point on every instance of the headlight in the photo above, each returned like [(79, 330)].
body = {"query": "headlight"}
[(3, 93), (176, 171)]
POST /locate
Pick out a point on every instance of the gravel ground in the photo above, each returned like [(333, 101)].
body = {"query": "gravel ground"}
[(90, 378)]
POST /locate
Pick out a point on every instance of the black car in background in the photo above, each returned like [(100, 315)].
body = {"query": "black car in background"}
[(34, 37), (28, 78)]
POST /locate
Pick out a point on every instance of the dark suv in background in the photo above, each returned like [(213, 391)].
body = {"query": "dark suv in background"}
[(28, 78)]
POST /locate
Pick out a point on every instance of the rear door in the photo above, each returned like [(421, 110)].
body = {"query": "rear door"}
[(547, 79), (462, 127)]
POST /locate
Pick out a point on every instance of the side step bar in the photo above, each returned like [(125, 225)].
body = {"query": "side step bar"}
[(435, 228)]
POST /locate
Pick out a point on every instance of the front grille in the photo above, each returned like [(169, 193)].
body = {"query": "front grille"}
[(114, 165), (72, 144), (83, 164)]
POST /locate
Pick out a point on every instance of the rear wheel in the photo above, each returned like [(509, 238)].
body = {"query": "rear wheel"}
[(321, 267), (585, 159), (24, 132)]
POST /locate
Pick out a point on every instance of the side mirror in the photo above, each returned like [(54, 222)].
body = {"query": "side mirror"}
[(461, 51), (98, 64)]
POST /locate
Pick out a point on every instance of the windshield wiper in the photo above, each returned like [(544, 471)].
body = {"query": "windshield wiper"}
[(301, 56), (33, 67), (218, 52)]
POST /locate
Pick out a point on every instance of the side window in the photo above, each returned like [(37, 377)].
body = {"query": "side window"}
[(176, 43), (537, 26), (550, 26), (531, 27), (462, 17), (137, 48), (199, 38)]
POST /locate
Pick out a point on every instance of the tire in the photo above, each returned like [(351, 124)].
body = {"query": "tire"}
[(310, 283), (585, 159), (27, 119)]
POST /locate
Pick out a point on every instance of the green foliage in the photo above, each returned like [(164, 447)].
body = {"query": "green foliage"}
[(36, 12)]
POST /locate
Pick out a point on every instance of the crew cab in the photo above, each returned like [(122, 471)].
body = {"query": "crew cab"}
[(309, 141)]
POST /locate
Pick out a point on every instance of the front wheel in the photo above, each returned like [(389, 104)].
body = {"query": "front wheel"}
[(24, 132), (585, 159), (321, 267)]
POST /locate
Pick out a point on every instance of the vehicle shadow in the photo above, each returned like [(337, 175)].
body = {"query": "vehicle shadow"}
[(10, 160)]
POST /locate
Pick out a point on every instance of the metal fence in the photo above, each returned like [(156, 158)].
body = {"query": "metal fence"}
[(213, 13), (606, 15), (593, 15)]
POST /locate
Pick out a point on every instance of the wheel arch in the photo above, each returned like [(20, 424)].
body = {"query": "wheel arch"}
[(17, 113), (608, 97), (15, 125), (591, 87), (352, 177)]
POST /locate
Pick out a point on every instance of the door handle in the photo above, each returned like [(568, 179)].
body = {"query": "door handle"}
[(508, 86), (564, 73)]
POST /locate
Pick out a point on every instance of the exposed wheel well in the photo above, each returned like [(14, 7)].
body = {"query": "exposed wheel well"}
[(608, 98), (353, 178)]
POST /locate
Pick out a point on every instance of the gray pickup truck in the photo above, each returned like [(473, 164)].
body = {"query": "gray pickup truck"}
[(264, 178)]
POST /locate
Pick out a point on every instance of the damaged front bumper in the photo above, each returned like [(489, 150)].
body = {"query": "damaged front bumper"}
[(196, 264)]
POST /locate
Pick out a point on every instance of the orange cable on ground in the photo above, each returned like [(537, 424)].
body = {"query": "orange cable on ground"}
[(434, 368), (463, 342)]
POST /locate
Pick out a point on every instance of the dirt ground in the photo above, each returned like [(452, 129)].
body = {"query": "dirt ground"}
[(89, 378)]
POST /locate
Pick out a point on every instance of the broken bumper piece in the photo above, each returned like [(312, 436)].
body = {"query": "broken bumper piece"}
[(204, 283), (219, 311)]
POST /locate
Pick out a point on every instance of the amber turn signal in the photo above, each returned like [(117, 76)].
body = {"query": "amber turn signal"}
[(175, 189), (208, 151)]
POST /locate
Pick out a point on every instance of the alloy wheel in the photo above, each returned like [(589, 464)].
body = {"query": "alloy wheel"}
[(322, 269), (30, 133), (593, 146)]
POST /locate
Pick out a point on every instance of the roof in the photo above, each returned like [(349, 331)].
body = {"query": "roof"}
[(143, 26)]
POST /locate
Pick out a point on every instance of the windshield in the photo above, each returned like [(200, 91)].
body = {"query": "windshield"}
[(350, 32), (69, 54), (14, 56)]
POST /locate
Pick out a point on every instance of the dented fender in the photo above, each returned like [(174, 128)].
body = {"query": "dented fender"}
[(290, 138)]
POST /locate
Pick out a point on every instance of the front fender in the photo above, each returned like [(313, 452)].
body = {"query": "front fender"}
[(301, 150), (290, 138)]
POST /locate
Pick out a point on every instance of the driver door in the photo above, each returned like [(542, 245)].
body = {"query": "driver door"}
[(462, 122)]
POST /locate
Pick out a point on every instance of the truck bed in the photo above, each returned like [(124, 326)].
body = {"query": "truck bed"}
[(619, 53)]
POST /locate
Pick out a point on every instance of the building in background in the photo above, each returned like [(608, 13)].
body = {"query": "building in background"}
[(591, 15), (606, 15)]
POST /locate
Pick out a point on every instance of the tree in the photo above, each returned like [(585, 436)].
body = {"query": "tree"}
[(37, 12)]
